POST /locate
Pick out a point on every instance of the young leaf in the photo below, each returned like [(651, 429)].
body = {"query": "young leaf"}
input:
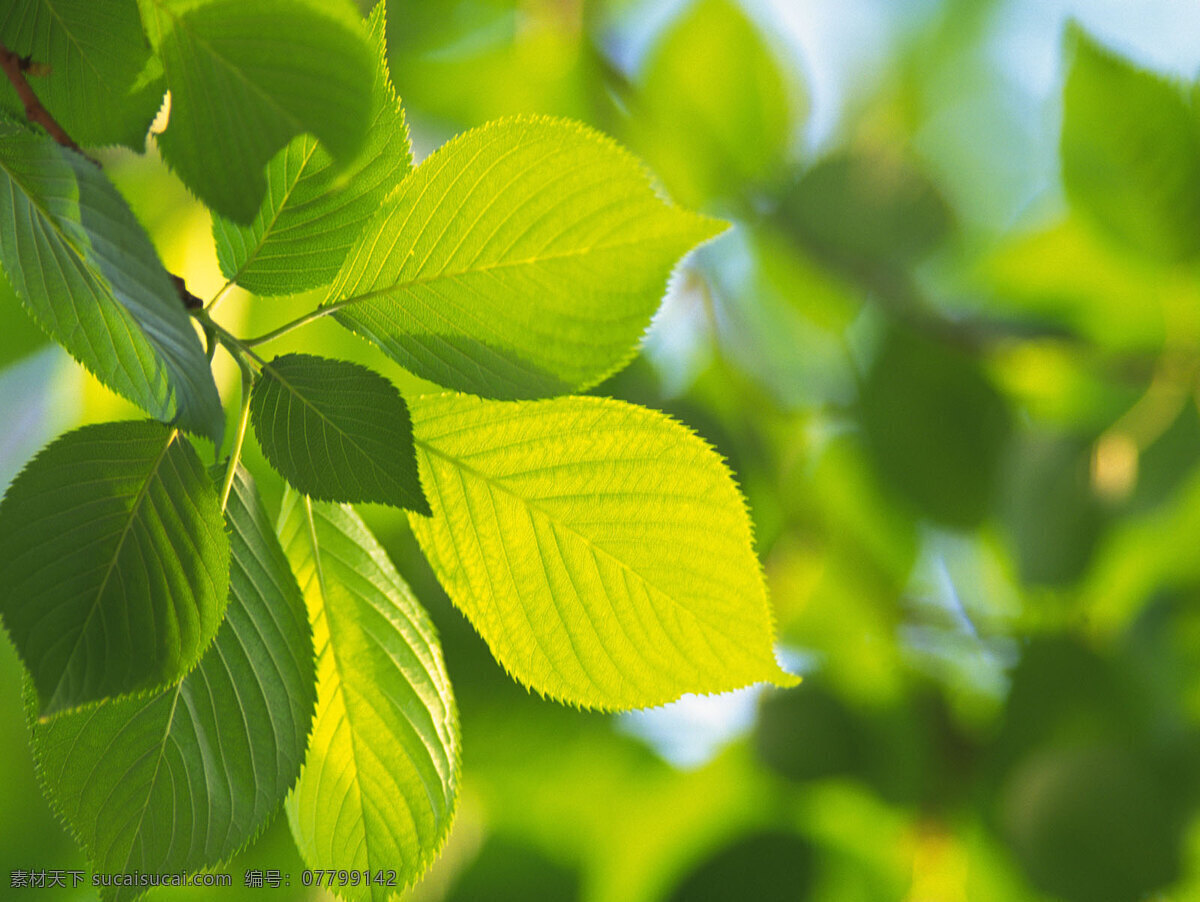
[(336, 431), (313, 214), (245, 77), (1131, 152), (379, 785), (85, 270), (524, 258), (116, 562), (182, 779), (96, 54), (601, 549)]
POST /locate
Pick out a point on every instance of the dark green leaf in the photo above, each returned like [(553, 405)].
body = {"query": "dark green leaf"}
[(83, 266), (935, 427), (1053, 515), (182, 779), (97, 87), (245, 77), (337, 431), (768, 867), (858, 211), (115, 567), (1093, 824)]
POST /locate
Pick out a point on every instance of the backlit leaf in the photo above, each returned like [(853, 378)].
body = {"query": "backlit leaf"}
[(182, 779), (115, 567), (379, 785), (336, 431), (313, 213), (84, 268), (601, 549), (524, 258)]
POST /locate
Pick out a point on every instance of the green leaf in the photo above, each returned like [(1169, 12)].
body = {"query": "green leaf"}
[(861, 212), (182, 779), (935, 426), (601, 549), (313, 214), (336, 431), (524, 258), (115, 563), (1054, 517), (1131, 152), (716, 114), (84, 268), (97, 54), (245, 77), (380, 782)]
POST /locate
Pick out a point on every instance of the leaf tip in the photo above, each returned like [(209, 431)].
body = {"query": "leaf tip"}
[(784, 680)]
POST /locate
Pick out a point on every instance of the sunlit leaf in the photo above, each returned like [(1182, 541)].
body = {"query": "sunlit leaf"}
[(183, 778), (115, 565), (602, 550), (85, 270), (336, 431), (379, 786), (245, 77), (521, 259), (314, 212)]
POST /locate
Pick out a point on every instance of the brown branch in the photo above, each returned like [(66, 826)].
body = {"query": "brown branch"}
[(14, 67)]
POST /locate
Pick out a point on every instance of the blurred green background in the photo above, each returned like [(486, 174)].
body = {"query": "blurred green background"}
[(958, 389)]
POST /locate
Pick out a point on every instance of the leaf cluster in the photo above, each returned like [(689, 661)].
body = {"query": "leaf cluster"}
[(192, 666)]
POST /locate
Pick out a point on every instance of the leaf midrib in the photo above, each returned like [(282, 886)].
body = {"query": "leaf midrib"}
[(267, 228), (332, 425), (52, 220), (142, 492), (492, 267), (158, 760), (337, 666), (566, 527)]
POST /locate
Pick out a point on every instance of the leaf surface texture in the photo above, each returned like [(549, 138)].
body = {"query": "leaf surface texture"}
[(336, 431), (115, 563), (85, 269), (521, 259), (379, 786), (182, 779), (601, 549)]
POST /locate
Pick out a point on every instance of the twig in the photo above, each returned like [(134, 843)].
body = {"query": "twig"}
[(14, 67)]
